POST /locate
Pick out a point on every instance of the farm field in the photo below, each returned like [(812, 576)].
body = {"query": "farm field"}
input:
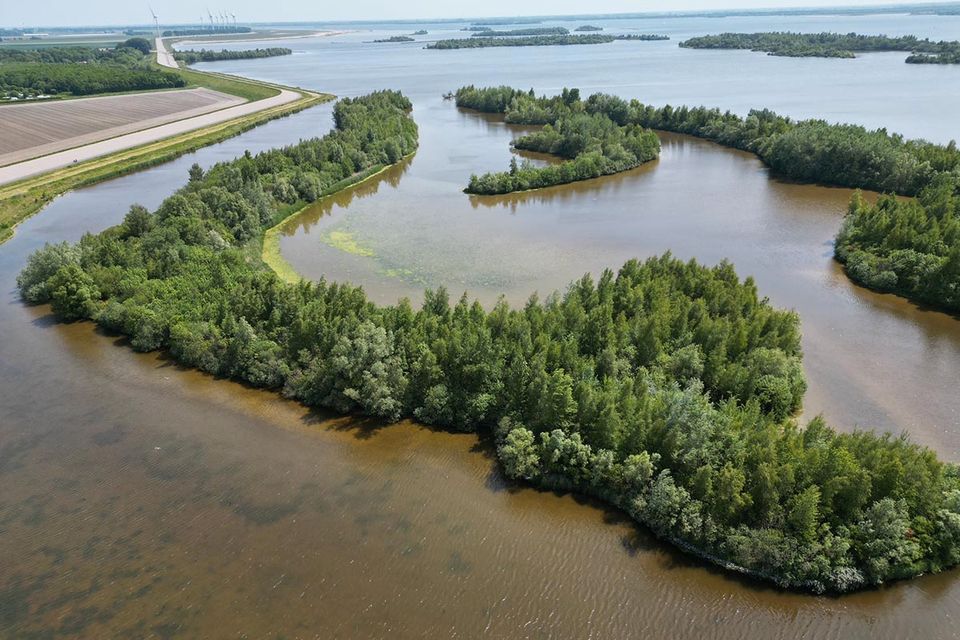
[(38, 129)]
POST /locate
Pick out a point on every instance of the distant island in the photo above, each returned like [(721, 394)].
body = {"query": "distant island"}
[(209, 55), (830, 45), (536, 41), (533, 31), (396, 39), (588, 27)]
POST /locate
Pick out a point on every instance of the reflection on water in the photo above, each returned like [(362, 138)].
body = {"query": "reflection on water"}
[(142, 500)]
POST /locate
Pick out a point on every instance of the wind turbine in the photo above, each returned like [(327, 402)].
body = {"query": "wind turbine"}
[(156, 23)]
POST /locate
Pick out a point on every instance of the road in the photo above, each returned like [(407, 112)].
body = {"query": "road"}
[(164, 57), (14, 172)]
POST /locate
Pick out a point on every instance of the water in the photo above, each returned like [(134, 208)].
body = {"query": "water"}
[(142, 500)]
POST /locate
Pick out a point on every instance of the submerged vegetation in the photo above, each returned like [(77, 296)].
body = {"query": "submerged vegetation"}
[(210, 55), (667, 389), (829, 45), (591, 135)]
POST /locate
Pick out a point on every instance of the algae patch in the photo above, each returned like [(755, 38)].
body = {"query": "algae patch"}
[(346, 242)]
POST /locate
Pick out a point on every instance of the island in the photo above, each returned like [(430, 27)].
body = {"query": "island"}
[(667, 389), (533, 31), (910, 247), (210, 55), (830, 45), (481, 42), (592, 136)]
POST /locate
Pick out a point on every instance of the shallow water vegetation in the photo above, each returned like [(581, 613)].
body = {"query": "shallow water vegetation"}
[(666, 388)]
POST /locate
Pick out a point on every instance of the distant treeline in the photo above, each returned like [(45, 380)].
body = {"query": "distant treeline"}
[(534, 31), (209, 55), (82, 79), (205, 31), (396, 39), (829, 45), (125, 56), (81, 71), (535, 41), (666, 388), (591, 136)]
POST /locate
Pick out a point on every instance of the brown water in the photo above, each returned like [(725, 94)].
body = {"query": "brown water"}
[(141, 500)]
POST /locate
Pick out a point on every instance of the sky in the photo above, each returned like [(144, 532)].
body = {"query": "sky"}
[(19, 13)]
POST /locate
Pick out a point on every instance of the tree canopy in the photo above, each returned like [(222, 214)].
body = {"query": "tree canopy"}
[(828, 45), (591, 136)]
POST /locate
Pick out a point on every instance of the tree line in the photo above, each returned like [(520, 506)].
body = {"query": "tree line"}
[(829, 45), (908, 247), (667, 388), (82, 71), (588, 134), (520, 41), (210, 55), (532, 31)]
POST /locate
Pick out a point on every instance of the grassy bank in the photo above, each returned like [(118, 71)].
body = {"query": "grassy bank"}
[(22, 199)]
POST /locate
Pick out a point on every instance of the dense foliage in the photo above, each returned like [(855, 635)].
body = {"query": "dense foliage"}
[(949, 55), (824, 45), (812, 150), (81, 79), (909, 247), (209, 55), (532, 31), (140, 44), (121, 55), (666, 389), (81, 71), (521, 41), (205, 31), (590, 135)]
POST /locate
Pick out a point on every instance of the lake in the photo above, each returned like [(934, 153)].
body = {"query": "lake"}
[(144, 500)]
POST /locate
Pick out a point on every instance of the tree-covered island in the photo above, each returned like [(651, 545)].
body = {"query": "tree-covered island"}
[(592, 136), (830, 45), (484, 40), (668, 388)]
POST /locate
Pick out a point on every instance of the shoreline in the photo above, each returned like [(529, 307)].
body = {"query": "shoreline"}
[(270, 245)]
